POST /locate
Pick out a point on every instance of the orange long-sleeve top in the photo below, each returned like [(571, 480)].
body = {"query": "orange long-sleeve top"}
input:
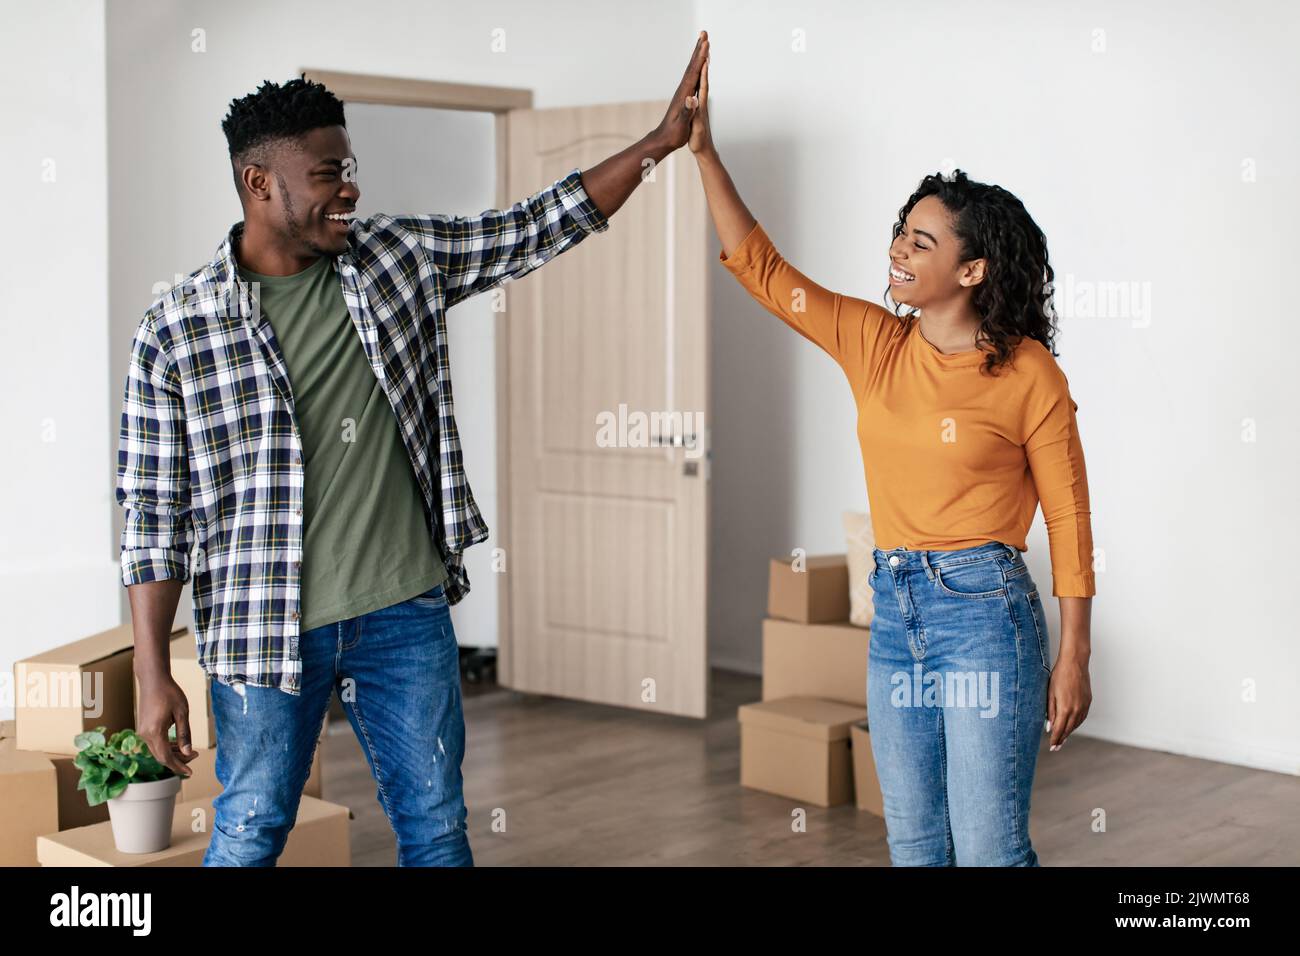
[(953, 457)]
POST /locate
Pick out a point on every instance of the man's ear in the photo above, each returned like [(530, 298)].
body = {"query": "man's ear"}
[(256, 180)]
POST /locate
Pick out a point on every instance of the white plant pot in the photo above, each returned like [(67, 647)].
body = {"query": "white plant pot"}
[(141, 815)]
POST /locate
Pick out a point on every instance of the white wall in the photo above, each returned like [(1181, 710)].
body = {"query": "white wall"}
[(423, 160), (1131, 161), (56, 579)]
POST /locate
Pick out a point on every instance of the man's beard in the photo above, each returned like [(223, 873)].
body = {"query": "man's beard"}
[(296, 232)]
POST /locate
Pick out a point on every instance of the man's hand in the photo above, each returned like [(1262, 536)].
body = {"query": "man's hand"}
[(163, 703), (612, 180), (675, 128)]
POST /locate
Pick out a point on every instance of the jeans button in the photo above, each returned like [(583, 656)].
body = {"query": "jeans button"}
[(894, 561)]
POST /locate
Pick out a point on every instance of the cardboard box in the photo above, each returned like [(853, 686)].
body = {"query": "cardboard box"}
[(196, 684), (71, 808), (320, 837), (316, 779), (28, 804), (815, 660), (866, 787), (74, 811), (798, 747), (204, 782), (817, 595), (77, 687)]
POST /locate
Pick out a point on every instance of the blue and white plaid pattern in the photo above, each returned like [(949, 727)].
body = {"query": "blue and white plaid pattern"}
[(209, 465)]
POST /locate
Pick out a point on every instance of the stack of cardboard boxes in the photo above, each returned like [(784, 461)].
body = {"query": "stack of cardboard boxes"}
[(807, 738), (88, 684)]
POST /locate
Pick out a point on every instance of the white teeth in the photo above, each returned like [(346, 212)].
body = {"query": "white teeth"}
[(340, 216), (900, 275)]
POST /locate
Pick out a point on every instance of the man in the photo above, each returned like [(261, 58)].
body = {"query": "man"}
[(288, 418)]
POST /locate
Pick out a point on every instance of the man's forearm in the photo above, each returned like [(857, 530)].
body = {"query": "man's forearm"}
[(153, 609), (612, 180)]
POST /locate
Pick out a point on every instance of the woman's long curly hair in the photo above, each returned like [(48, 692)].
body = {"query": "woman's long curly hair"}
[(1015, 297)]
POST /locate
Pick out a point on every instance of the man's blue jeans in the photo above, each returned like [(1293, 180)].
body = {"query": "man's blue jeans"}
[(397, 672), (956, 702)]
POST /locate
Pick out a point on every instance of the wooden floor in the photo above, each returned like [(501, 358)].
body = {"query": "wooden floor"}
[(583, 784)]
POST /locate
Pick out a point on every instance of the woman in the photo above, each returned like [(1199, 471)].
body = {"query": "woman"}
[(965, 422)]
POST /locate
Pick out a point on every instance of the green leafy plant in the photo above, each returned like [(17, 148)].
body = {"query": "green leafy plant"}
[(109, 764)]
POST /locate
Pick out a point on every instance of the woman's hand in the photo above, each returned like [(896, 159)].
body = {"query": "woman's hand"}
[(701, 140), (1069, 695), (730, 217), (1069, 692)]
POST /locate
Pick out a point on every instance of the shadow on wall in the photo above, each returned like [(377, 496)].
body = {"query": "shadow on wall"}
[(752, 383)]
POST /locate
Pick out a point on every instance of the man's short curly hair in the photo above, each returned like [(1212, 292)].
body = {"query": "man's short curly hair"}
[(276, 115)]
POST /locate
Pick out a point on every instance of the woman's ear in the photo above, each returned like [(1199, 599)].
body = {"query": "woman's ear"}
[(973, 272)]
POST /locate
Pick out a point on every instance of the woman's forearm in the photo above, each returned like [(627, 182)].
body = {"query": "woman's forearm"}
[(1076, 627), (730, 217)]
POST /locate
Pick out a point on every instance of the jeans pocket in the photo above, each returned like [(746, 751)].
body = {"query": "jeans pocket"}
[(434, 597), (976, 580), (1039, 617), (1015, 567)]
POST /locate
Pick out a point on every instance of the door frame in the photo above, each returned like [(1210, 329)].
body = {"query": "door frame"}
[(499, 101)]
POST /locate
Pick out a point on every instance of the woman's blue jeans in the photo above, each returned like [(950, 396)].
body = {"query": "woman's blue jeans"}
[(397, 673), (956, 703)]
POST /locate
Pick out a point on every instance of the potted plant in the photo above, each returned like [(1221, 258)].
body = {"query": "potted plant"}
[(140, 791)]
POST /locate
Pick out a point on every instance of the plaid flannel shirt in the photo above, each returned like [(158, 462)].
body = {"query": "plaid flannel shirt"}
[(209, 465)]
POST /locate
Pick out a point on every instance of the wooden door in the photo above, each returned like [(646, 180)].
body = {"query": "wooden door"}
[(606, 365)]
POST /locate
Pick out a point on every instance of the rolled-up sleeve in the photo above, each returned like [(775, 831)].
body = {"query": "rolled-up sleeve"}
[(153, 466), (475, 253), (1055, 454)]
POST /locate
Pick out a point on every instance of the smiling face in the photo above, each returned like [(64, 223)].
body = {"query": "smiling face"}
[(309, 194), (925, 264)]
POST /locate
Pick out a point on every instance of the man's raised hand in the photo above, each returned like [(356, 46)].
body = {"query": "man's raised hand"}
[(675, 127)]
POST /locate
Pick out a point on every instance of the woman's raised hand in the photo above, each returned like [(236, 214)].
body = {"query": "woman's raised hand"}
[(701, 139)]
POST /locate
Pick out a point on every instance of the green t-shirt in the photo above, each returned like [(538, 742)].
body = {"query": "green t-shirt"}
[(367, 541)]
